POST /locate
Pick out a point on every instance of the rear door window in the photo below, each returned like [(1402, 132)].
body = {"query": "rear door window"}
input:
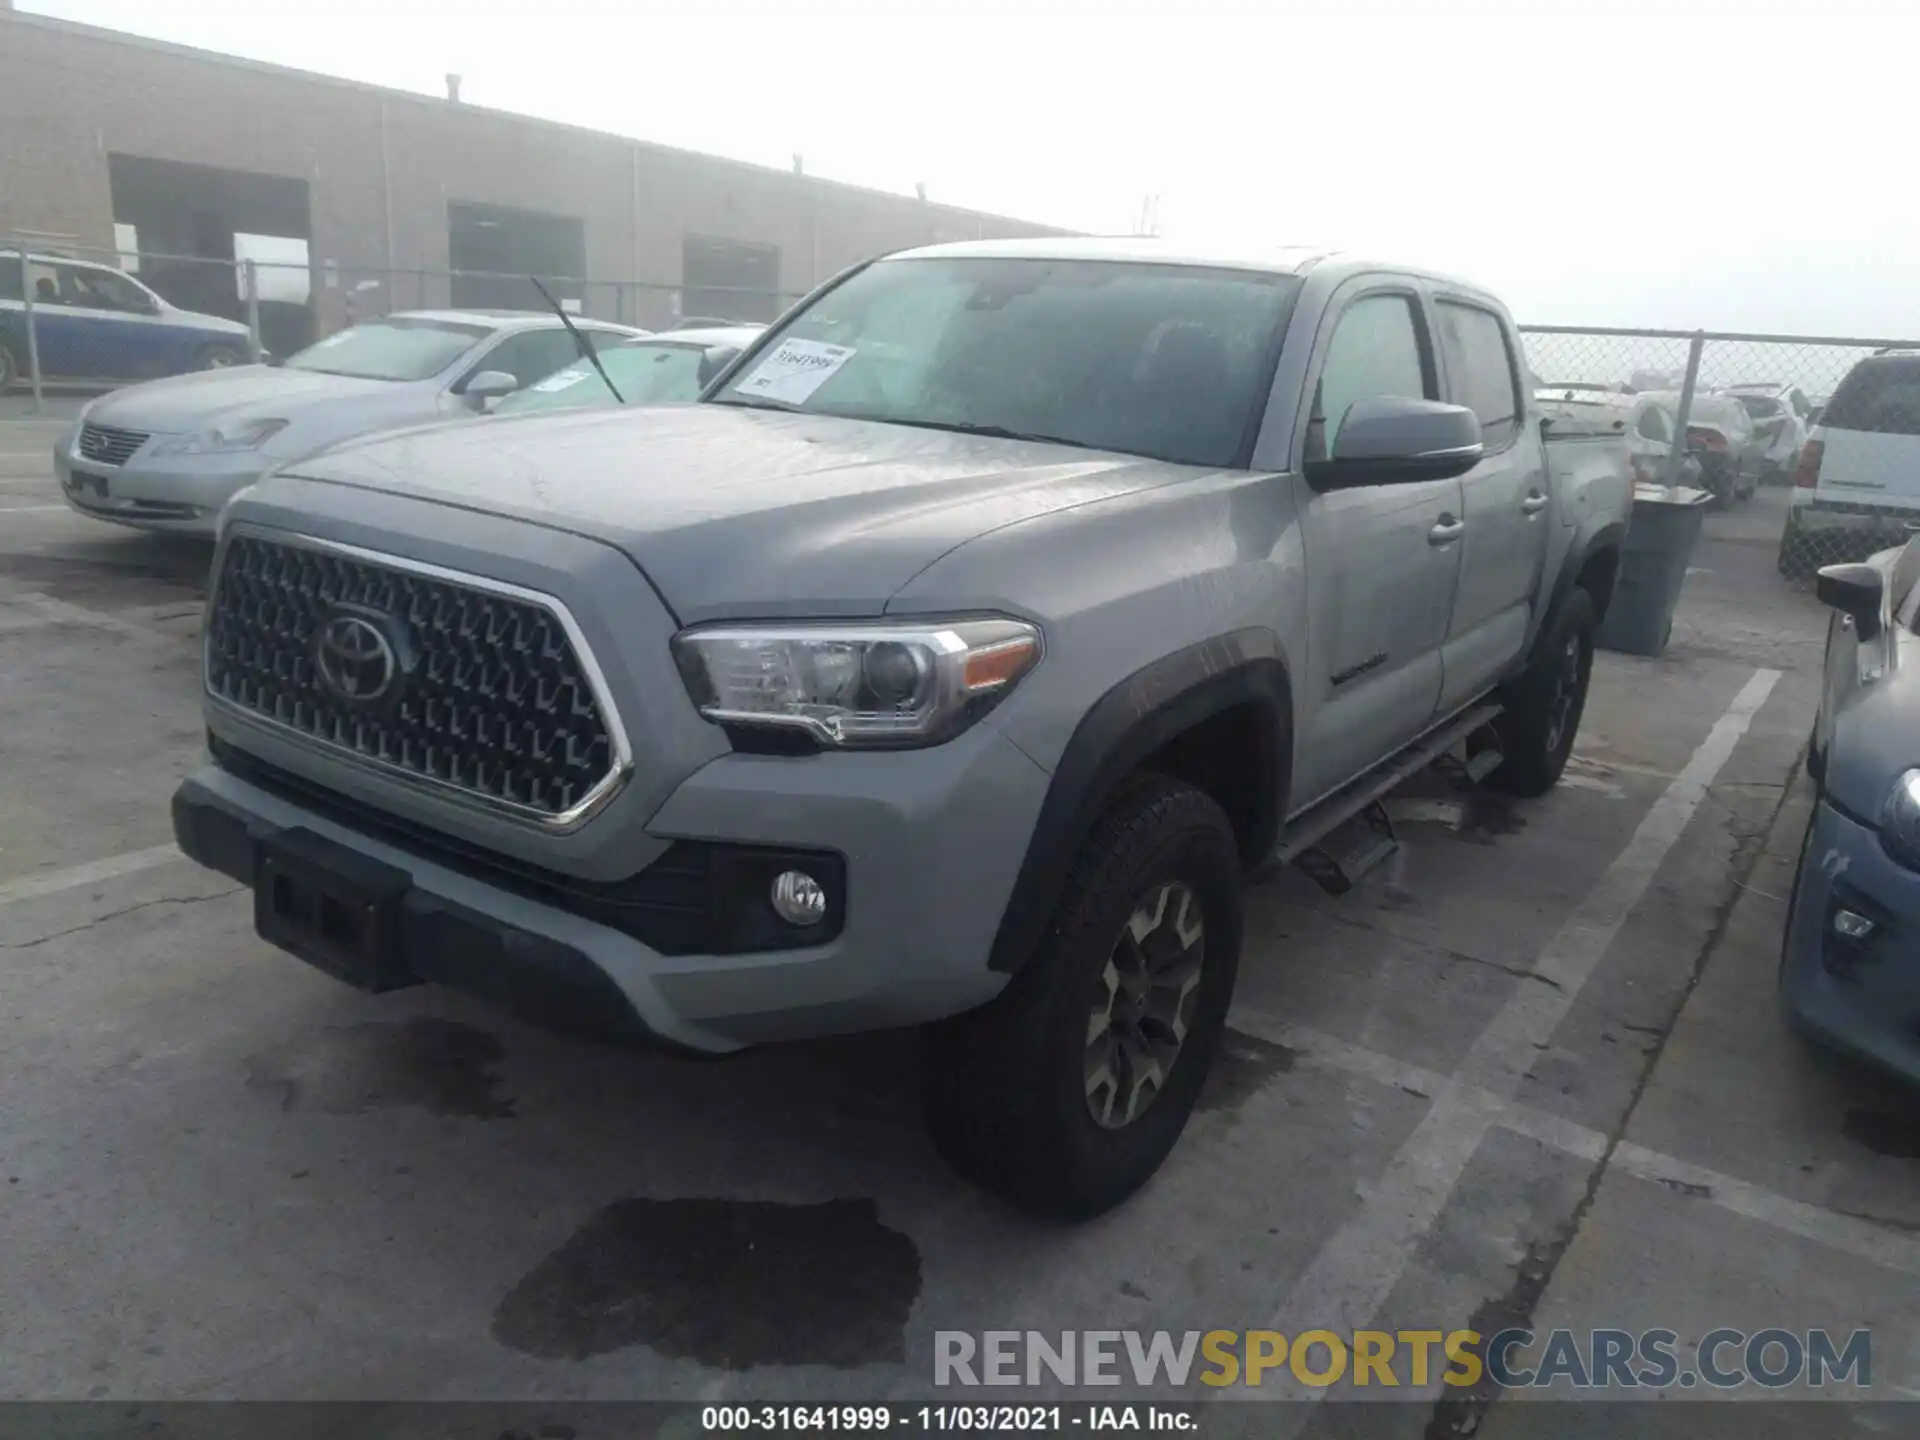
[(1480, 369), (1654, 424), (1880, 397)]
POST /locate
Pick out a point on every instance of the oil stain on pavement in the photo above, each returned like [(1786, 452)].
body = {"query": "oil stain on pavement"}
[(727, 1283), (1241, 1069), (426, 1063)]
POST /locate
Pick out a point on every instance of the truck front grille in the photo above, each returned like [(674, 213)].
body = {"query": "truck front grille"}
[(108, 445), (470, 688)]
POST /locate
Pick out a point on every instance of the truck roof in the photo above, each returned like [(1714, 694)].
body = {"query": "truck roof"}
[(1286, 260), (1280, 260)]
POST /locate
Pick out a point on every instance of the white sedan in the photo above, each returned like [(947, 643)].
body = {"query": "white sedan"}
[(167, 455)]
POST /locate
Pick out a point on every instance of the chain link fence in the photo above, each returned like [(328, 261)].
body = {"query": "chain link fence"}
[(76, 317), (1759, 410)]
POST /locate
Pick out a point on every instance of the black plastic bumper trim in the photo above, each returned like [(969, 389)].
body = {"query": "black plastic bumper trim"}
[(534, 976)]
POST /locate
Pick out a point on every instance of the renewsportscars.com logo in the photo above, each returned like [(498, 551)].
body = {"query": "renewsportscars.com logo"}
[(1598, 1359)]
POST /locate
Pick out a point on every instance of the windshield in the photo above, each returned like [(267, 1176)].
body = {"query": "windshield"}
[(1881, 397), (397, 348), (1167, 361), (656, 373)]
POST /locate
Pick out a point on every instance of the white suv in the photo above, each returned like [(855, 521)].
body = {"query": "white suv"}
[(1857, 486)]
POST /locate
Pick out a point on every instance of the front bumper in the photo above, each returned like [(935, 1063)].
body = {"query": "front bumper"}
[(1859, 997), (931, 840), (181, 494)]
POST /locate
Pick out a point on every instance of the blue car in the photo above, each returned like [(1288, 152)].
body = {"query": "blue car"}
[(1850, 968), (98, 327)]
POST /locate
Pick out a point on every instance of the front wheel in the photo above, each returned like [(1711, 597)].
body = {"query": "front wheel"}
[(1065, 1094), (1544, 705)]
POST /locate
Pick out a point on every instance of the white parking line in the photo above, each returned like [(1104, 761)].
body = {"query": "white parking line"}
[(1353, 1274), (32, 887), (36, 509), (1851, 1234)]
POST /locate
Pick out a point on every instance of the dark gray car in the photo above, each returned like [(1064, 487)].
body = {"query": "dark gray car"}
[(1847, 974)]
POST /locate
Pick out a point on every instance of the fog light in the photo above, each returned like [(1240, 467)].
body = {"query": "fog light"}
[(1850, 923), (798, 898)]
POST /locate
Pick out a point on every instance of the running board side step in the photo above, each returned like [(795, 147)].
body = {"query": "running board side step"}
[(1349, 832)]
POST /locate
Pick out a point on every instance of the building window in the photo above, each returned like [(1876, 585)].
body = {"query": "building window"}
[(492, 249), (729, 280)]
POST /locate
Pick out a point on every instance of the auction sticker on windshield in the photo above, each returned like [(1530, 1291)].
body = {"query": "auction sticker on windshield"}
[(794, 370), (560, 380)]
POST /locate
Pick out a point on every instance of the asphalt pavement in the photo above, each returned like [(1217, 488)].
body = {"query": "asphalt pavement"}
[(1529, 1073)]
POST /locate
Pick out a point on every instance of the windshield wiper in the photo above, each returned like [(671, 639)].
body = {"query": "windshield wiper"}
[(753, 402), (580, 344), (968, 427), (957, 427)]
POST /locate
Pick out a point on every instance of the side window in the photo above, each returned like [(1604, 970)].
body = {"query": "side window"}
[(1376, 350), (9, 277), (1654, 425), (1481, 370), (95, 289), (531, 355), (51, 283), (98, 288)]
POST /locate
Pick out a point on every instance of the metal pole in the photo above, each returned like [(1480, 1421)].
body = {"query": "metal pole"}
[(33, 333), (1679, 452), (251, 270)]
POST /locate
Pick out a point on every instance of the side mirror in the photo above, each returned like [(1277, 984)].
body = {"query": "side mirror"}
[(1387, 440), (488, 385), (1855, 590)]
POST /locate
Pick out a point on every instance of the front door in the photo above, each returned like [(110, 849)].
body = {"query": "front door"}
[(1380, 560), (1507, 505)]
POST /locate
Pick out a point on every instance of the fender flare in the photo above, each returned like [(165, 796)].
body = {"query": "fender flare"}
[(1130, 722), (1593, 537)]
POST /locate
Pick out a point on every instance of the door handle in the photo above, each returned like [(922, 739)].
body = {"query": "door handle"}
[(1534, 503), (1447, 531)]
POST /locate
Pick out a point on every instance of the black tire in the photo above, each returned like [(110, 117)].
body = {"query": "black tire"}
[(1007, 1088), (1544, 704), (219, 357)]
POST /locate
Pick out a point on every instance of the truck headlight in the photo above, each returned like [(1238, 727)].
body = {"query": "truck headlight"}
[(859, 686), (1900, 820), (248, 436)]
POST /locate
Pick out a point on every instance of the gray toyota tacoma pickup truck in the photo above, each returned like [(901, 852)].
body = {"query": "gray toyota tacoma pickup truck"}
[(952, 663)]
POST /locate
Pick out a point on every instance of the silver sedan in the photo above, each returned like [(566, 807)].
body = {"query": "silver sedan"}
[(169, 454)]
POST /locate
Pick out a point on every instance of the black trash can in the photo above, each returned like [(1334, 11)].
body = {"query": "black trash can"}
[(1653, 568)]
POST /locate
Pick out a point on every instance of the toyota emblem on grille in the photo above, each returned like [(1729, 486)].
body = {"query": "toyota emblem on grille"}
[(355, 659)]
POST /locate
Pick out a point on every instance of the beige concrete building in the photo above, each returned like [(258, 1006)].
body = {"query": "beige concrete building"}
[(110, 142)]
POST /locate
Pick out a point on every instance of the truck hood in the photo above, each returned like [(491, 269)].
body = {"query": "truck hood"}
[(183, 404), (734, 512)]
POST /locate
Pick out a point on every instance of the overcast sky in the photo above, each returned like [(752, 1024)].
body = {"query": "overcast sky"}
[(1683, 164)]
